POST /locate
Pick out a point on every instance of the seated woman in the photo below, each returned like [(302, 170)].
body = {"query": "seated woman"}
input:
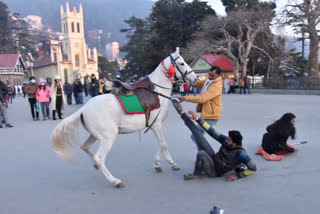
[(231, 155), (275, 140)]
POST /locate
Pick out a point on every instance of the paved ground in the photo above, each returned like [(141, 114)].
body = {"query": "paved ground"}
[(34, 180)]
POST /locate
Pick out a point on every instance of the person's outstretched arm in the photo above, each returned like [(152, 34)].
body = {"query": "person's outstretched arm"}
[(247, 166), (209, 129)]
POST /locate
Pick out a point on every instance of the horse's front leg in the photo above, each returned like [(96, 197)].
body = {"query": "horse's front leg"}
[(157, 130)]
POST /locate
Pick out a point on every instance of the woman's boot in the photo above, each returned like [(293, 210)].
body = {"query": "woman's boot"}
[(54, 115)]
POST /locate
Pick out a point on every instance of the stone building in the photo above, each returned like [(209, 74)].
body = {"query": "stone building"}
[(69, 57)]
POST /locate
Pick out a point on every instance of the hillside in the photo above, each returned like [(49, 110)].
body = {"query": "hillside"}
[(108, 15)]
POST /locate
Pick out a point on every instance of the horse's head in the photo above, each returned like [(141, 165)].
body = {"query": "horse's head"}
[(181, 70)]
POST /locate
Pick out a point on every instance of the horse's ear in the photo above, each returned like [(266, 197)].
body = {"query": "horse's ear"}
[(177, 51)]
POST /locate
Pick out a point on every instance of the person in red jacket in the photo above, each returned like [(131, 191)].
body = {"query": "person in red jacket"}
[(186, 89)]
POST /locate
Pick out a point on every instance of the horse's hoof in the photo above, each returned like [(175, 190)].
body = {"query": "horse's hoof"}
[(120, 185), (158, 169), (96, 166), (175, 167)]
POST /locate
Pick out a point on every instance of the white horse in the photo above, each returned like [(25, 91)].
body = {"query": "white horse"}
[(110, 119)]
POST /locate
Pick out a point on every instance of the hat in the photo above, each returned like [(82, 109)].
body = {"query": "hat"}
[(57, 77), (42, 80), (236, 137)]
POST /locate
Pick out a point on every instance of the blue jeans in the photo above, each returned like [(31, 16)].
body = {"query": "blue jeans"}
[(202, 131), (45, 109), (80, 98)]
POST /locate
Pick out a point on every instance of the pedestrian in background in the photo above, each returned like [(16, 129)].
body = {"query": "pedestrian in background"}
[(94, 86), (226, 85), (101, 86), (3, 105), (108, 85), (67, 88), (186, 89), (78, 90), (241, 85), (11, 93), (246, 84), (42, 95), (57, 98), (31, 90)]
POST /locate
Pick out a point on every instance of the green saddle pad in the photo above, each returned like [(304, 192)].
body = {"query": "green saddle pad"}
[(131, 104)]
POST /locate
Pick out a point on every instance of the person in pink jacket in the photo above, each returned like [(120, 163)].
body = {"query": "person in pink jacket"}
[(43, 97)]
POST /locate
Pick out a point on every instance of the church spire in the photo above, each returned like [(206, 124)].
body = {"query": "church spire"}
[(61, 10), (67, 8), (80, 9)]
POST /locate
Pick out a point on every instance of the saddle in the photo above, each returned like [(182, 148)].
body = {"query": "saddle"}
[(142, 88)]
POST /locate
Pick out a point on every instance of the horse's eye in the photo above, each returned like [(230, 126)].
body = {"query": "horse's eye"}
[(182, 64)]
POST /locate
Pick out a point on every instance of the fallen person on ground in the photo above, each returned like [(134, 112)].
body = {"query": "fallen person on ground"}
[(231, 155), (274, 142)]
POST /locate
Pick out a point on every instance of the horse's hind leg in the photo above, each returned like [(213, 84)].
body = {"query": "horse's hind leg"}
[(100, 157), (87, 144), (157, 130)]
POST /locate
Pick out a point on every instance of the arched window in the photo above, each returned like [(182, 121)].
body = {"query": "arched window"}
[(77, 59), (78, 27), (72, 27), (65, 75)]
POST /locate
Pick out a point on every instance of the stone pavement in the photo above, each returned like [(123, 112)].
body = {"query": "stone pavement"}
[(34, 180)]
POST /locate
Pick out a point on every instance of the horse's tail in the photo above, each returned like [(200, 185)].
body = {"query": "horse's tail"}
[(63, 138)]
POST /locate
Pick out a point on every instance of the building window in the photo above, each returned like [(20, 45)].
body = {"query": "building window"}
[(72, 27), (78, 27), (77, 59), (65, 75), (66, 27)]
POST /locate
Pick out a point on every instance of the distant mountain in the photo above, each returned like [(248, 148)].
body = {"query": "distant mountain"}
[(108, 15), (292, 42)]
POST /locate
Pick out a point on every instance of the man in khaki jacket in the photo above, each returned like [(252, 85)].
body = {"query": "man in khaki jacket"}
[(209, 100)]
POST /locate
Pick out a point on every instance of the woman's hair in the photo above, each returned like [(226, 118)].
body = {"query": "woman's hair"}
[(284, 126), (44, 86)]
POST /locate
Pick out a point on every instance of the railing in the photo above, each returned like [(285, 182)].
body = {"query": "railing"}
[(298, 83)]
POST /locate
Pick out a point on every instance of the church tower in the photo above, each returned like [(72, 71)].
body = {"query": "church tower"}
[(74, 45), (74, 48), (69, 57)]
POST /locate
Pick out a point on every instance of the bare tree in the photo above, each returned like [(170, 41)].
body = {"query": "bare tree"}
[(306, 15), (233, 35)]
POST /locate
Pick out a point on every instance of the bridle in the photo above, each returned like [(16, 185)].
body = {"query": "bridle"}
[(183, 75), (167, 74)]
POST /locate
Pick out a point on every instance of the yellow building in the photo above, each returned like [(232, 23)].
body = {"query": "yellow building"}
[(69, 57)]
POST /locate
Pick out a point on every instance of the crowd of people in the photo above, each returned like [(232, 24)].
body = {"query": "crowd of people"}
[(45, 95)]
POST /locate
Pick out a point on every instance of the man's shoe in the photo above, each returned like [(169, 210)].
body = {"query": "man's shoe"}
[(54, 118), (9, 125), (177, 105), (1, 126)]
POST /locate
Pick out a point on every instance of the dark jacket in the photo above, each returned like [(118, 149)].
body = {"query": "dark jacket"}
[(4, 88), (77, 87), (275, 139), (67, 87), (226, 159), (2, 100)]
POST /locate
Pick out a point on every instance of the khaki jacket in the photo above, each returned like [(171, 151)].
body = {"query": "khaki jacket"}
[(209, 103)]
